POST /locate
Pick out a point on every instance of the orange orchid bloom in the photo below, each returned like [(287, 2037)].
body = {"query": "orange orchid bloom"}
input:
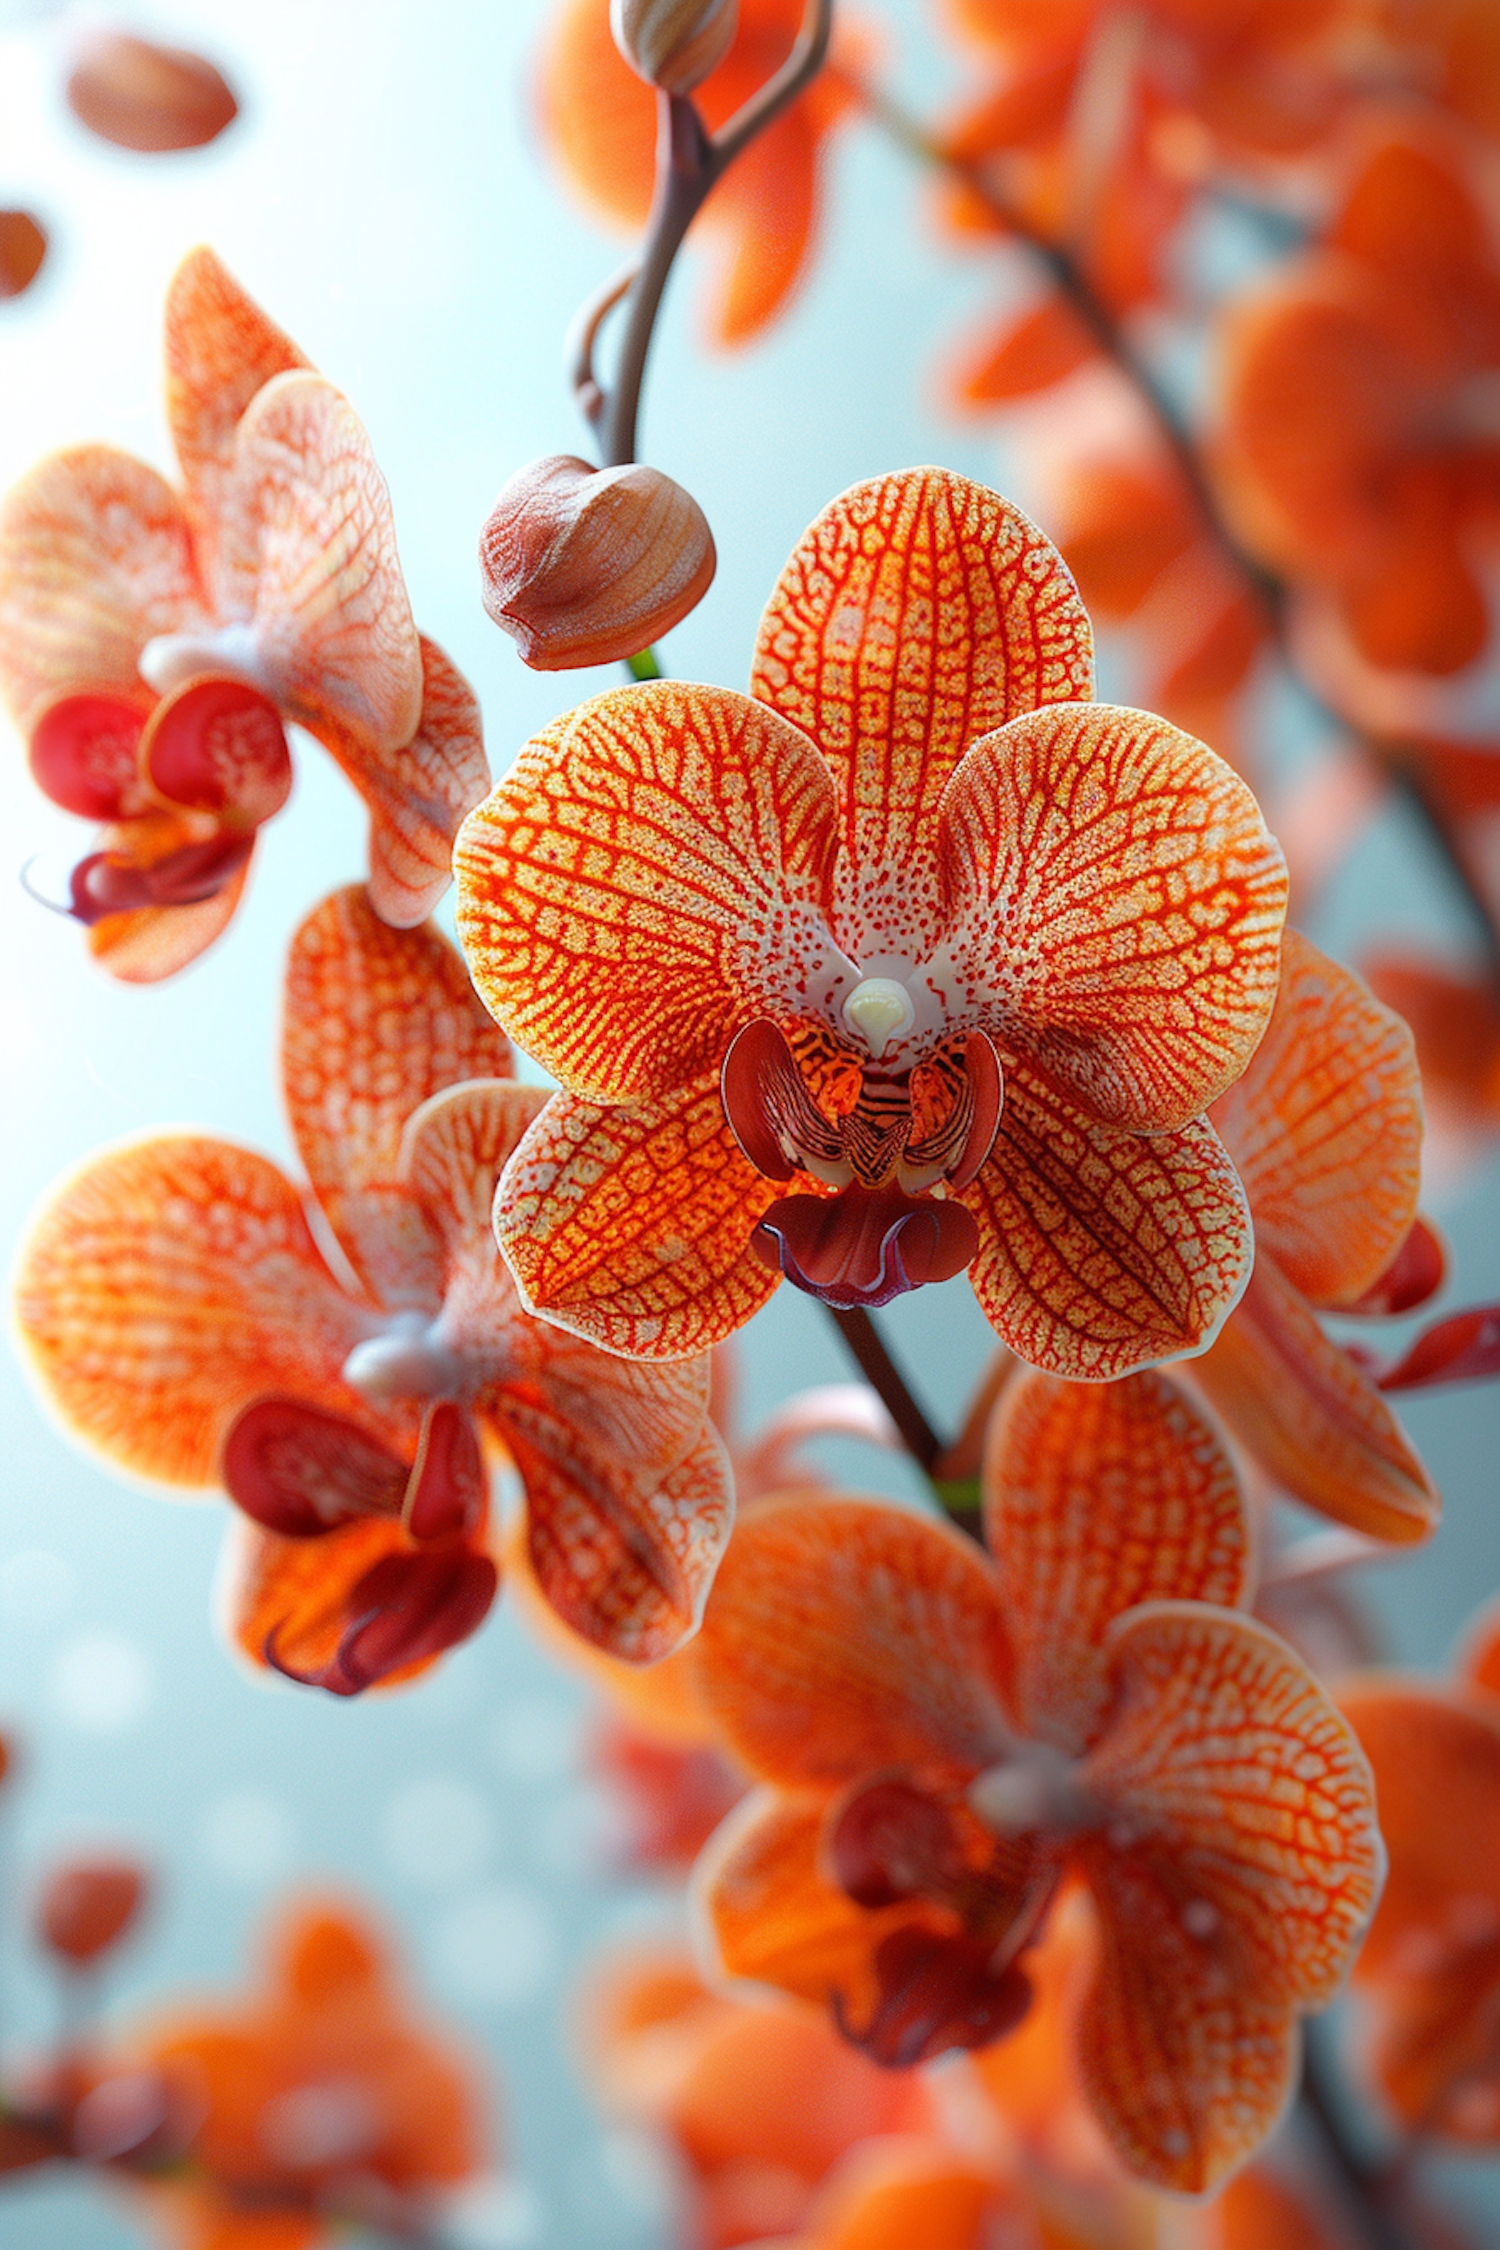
[(759, 2104), (1430, 1972), (1325, 1129), (1100, 123), (154, 642), (912, 931), (761, 221), (946, 1735), (1359, 448), (317, 2100), (182, 1318)]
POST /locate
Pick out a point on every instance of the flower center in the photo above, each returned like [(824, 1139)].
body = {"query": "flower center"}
[(171, 659), (409, 1359), (1033, 1791), (877, 1011)]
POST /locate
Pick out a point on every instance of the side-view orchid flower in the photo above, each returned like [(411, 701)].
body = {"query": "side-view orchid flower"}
[(183, 1319), (1325, 1130), (947, 1735), (1429, 1975), (154, 643), (911, 960)]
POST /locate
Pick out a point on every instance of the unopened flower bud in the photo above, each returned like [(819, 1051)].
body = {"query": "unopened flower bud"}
[(87, 1906), (146, 97), (587, 566), (674, 44)]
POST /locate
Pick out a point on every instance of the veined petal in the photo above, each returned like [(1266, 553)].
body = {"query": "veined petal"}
[(651, 874), (1113, 909), (418, 795), (375, 1020), (164, 1287), (1325, 1128), (845, 1637), (1100, 1251), (916, 613), (220, 348), (1186, 2069), (307, 560), (629, 1567), (774, 1916), (453, 1148), (1312, 1417), (631, 1227), (1236, 1786), (1098, 1496), (95, 559)]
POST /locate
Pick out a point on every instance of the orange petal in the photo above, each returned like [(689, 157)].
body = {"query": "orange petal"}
[(1098, 1496), (166, 1285), (1260, 2211), (220, 348), (1311, 1416), (776, 1918), (650, 874), (453, 1148), (1455, 1023), (759, 226), (1256, 1868), (1479, 1659), (95, 559), (374, 1021), (845, 1637), (629, 1570), (1325, 1128), (1236, 1782), (152, 943), (418, 795), (1101, 1252), (1046, 343), (1436, 1762), (307, 559), (631, 1227), (1116, 907), (599, 117), (896, 2193), (1122, 523), (916, 613)]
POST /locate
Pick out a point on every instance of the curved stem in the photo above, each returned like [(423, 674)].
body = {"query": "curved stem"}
[(578, 346), (880, 1371), (689, 161), (1397, 760)]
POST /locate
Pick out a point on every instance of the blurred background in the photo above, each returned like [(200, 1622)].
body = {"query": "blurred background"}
[(384, 195)]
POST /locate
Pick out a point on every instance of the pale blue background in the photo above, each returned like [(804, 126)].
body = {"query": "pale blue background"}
[(384, 197)]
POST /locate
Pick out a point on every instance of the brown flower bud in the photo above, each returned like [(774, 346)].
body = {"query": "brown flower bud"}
[(674, 44), (23, 246), (586, 566), (87, 1905), (146, 97)]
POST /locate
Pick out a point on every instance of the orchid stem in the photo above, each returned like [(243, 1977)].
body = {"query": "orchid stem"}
[(1396, 760), (644, 665), (885, 1378), (689, 162)]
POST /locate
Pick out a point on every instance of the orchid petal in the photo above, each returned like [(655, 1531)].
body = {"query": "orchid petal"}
[(1325, 1129), (1098, 1496), (1102, 1252), (845, 1637), (1114, 910), (164, 1287), (917, 612), (1312, 1417), (220, 348), (631, 1227), (651, 874), (96, 558)]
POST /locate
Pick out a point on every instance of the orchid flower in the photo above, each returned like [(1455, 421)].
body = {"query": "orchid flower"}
[(182, 1318), (912, 960), (946, 1735), (154, 643)]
